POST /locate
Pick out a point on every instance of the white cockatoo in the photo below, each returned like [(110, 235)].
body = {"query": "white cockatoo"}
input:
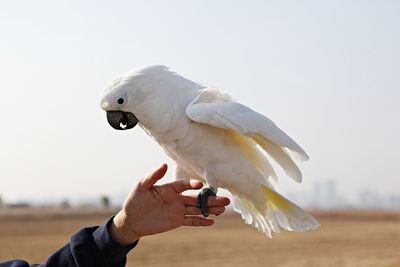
[(214, 139)]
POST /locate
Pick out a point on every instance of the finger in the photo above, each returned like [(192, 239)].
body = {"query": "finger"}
[(211, 202), (215, 201), (182, 185), (197, 221), (193, 210), (150, 180)]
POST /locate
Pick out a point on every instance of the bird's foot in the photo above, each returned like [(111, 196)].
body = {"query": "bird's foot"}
[(202, 199)]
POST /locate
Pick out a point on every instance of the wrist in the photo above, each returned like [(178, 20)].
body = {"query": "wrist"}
[(121, 230)]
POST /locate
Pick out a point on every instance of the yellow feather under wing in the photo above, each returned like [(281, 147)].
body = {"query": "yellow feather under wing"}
[(254, 155)]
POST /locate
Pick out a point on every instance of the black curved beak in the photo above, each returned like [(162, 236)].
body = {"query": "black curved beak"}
[(121, 120)]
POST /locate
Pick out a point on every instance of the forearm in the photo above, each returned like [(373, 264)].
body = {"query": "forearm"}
[(91, 246)]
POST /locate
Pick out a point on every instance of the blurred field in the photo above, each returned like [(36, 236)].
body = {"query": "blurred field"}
[(345, 239)]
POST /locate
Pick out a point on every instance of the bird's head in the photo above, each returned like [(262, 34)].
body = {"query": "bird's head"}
[(116, 99), (124, 97)]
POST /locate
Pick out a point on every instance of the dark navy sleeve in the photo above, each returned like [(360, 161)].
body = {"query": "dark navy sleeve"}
[(90, 246)]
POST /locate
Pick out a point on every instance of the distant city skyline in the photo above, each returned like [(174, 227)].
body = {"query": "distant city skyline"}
[(326, 196)]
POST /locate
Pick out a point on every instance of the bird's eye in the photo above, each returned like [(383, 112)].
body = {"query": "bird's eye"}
[(120, 101)]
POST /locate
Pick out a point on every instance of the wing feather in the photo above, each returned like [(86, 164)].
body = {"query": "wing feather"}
[(220, 110), (281, 156)]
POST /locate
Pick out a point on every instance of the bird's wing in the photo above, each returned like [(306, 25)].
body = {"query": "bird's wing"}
[(220, 110)]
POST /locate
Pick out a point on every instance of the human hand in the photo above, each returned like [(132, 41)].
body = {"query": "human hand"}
[(151, 209)]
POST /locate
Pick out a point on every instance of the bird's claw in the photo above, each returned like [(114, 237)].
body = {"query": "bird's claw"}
[(202, 199)]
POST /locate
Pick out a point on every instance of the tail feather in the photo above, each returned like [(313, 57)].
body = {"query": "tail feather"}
[(279, 213)]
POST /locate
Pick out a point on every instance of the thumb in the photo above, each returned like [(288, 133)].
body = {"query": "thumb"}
[(150, 180)]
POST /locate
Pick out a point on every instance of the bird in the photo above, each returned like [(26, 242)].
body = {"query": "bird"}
[(214, 139)]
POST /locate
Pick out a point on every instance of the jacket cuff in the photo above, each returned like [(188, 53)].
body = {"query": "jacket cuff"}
[(108, 247)]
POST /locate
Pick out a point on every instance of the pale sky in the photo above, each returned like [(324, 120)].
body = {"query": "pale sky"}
[(326, 72)]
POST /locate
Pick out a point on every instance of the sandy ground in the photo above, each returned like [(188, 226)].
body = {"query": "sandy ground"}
[(345, 239)]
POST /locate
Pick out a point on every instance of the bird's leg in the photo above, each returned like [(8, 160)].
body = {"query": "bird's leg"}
[(203, 197)]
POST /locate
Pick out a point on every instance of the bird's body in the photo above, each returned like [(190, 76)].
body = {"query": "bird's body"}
[(216, 140), (212, 161)]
